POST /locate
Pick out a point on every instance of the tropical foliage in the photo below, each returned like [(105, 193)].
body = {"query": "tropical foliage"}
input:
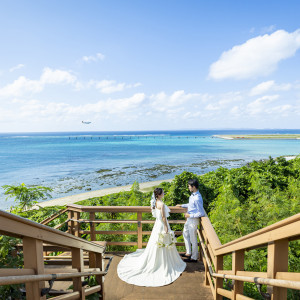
[(237, 201)]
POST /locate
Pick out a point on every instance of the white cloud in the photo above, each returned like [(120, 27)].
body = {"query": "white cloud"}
[(258, 56), (163, 102), (280, 110), (109, 106), (19, 66), (262, 88), (268, 29), (111, 86), (23, 85), (91, 58), (268, 86), (50, 76), (212, 107), (259, 105)]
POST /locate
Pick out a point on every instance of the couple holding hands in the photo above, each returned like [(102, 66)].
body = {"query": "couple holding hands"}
[(160, 263)]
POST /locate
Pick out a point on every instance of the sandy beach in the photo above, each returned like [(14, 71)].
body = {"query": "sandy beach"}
[(144, 187)]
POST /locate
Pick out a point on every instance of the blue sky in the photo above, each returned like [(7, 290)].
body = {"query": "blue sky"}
[(149, 65)]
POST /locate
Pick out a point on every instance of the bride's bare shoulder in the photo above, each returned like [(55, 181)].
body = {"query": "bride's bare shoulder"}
[(159, 204)]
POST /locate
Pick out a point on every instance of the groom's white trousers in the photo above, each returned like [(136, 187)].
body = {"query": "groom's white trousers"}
[(190, 237)]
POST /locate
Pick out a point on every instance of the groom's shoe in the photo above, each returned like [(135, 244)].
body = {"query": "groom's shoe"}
[(185, 255), (190, 260)]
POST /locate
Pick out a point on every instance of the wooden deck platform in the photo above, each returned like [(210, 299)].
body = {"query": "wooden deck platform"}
[(188, 286)]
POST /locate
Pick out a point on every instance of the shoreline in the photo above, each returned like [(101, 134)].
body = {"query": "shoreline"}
[(144, 187)]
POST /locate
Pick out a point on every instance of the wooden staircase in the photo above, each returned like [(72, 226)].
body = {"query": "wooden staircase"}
[(82, 258)]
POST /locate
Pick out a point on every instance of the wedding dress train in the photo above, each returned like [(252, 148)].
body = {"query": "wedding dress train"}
[(158, 264)]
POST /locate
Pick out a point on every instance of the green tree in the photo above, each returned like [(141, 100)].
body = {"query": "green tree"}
[(26, 197)]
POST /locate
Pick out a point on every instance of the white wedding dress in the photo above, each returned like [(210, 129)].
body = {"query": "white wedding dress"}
[(155, 265)]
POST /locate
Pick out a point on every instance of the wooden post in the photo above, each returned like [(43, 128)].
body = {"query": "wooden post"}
[(77, 225), (237, 265), (33, 259), (206, 273), (219, 281), (95, 261), (278, 252), (140, 230), (99, 278), (78, 263), (199, 244), (92, 226), (71, 223)]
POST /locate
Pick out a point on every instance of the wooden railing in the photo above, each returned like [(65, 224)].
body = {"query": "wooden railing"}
[(34, 274), (74, 222), (277, 278), (275, 237)]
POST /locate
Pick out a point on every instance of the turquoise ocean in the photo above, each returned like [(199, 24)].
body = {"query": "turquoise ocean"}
[(77, 162)]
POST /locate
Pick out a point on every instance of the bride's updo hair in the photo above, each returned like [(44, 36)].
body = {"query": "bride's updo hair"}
[(158, 192)]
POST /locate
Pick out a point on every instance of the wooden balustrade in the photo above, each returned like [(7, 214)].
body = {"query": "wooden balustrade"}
[(74, 221), (274, 238), (34, 274)]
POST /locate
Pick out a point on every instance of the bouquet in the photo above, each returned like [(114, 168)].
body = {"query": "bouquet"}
[(166, 240)]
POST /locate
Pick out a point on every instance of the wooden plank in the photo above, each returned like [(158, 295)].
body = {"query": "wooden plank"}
[(70, 222), (100, 279), (237, 265), (219, 281), (288, 276), (54, 216), (33, 259), (92, 290), (77, 224), (70, 296), (92, 226), (226, 272), (15, 272), (77, 263), (210, 233), (225, 293), (252, 274), (242, 297), (61, 270), (140, 230)]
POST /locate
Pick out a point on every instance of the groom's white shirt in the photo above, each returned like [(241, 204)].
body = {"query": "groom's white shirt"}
[(195, 205)]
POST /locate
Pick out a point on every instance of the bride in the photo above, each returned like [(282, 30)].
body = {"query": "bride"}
[(159, 263)]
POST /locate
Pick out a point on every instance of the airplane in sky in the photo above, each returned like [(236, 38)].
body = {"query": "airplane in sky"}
[(86, 122)]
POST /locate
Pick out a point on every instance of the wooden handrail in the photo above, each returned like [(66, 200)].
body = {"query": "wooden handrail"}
[(33, 278), (19, 227), (54, 216), (119, 209), (276, 237), (263, 236)]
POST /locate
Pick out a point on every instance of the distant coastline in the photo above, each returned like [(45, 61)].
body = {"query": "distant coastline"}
[(259, 136)]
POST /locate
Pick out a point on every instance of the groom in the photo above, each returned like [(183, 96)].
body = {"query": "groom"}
[(194, 212)]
